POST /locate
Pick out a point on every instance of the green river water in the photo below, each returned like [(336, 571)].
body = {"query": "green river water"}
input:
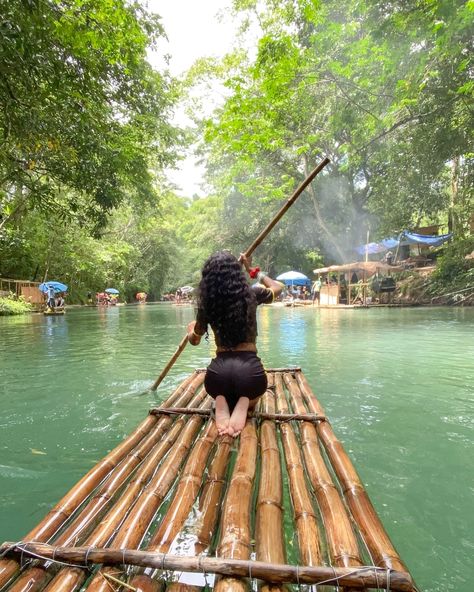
[(397, 385)]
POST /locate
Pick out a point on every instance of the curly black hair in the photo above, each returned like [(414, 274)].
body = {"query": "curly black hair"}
[(224, 298)]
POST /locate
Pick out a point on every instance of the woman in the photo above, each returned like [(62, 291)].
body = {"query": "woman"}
[(235, 378)]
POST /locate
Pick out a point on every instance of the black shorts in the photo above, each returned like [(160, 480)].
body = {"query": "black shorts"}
[(235, 374)]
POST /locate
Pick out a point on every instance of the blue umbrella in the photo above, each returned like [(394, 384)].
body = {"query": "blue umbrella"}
[(294, 278), (112, 291), (58, 287)]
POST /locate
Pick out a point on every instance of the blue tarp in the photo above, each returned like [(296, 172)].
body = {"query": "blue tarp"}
[(428, 240), (405, 238)]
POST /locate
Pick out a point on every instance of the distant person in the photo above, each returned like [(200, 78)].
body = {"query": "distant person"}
[(389, 257), (178, 295), (89, 297), (316, 291), (60, 301), (51, 301), (235, 378)]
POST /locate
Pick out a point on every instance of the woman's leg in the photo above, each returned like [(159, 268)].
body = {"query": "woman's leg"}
[(222, 415), (238, 417)]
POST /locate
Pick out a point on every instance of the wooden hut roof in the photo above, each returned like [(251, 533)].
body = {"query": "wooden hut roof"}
[(370, 267)]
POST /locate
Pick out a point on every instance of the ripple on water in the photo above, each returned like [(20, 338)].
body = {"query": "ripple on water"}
[(396, 384)]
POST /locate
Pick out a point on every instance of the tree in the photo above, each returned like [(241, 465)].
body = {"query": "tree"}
[(80, 107)]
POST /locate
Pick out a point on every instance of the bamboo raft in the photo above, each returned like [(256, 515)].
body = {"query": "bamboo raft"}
[(176, 507)]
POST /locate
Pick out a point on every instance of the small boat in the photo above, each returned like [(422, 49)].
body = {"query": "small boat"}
[(176, 502), (54, 311)]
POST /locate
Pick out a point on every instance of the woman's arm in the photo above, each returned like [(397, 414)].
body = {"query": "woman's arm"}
[(193, 337), (263, 278)]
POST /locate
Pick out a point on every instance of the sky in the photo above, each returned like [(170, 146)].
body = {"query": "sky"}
[(194, 30)]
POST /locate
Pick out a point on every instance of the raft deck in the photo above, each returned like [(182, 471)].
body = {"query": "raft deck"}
[(175, 506)]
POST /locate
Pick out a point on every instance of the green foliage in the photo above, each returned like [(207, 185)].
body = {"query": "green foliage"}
[(80, 107), (453, 270), (384, 90), (12, 306)]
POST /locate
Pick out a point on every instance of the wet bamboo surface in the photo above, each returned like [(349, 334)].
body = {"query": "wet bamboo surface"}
[(176, 507)]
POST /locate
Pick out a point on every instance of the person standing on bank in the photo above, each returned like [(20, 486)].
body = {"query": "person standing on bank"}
[(235, 378)]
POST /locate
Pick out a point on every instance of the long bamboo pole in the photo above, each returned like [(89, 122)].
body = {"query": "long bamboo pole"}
[(269, 538), (370, 577), (235, 524), (342, 543), (174, 357), (298, 191), (256, 414), (56, 517), (210, 502), (376, 538), (304, 514)]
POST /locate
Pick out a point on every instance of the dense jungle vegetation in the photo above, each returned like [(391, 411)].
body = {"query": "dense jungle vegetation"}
[(384, 89)]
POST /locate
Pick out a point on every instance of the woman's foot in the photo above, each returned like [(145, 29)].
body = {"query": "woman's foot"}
[(238, 418), (222, 415)]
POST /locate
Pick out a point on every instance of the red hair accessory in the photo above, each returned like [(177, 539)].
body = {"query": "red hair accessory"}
[(253, 272)]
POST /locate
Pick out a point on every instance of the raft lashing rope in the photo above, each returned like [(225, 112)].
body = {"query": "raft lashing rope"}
[(176, 505)]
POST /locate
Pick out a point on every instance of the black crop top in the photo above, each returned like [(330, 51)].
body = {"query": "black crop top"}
[(262, 296)]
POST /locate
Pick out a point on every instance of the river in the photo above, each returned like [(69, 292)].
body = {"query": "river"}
[(397, 385)]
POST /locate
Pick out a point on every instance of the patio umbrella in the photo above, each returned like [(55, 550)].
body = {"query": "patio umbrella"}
[(58, 287), (294, 278), (112, 291)]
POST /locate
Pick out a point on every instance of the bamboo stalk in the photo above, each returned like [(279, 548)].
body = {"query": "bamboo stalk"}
[(304, 515), (174, 357), (255, 414), (342, 543), (59, 514), (372, 531), (69, 578), (269, 538), (286, 206), (209, 505), (134, 527), (235, 524), (369, 577)]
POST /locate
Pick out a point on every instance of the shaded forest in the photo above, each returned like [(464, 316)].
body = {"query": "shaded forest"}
[(383, 89)]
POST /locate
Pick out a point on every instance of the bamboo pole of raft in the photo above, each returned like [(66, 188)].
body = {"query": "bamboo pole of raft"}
[(376, 538), (56, 517), (304, 515), (269, 538), (180, 506), (235, 524), (135, 525), (342, 542), (38, 576), (286, 206), (210, 501), (254, 414), (369, 577)]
